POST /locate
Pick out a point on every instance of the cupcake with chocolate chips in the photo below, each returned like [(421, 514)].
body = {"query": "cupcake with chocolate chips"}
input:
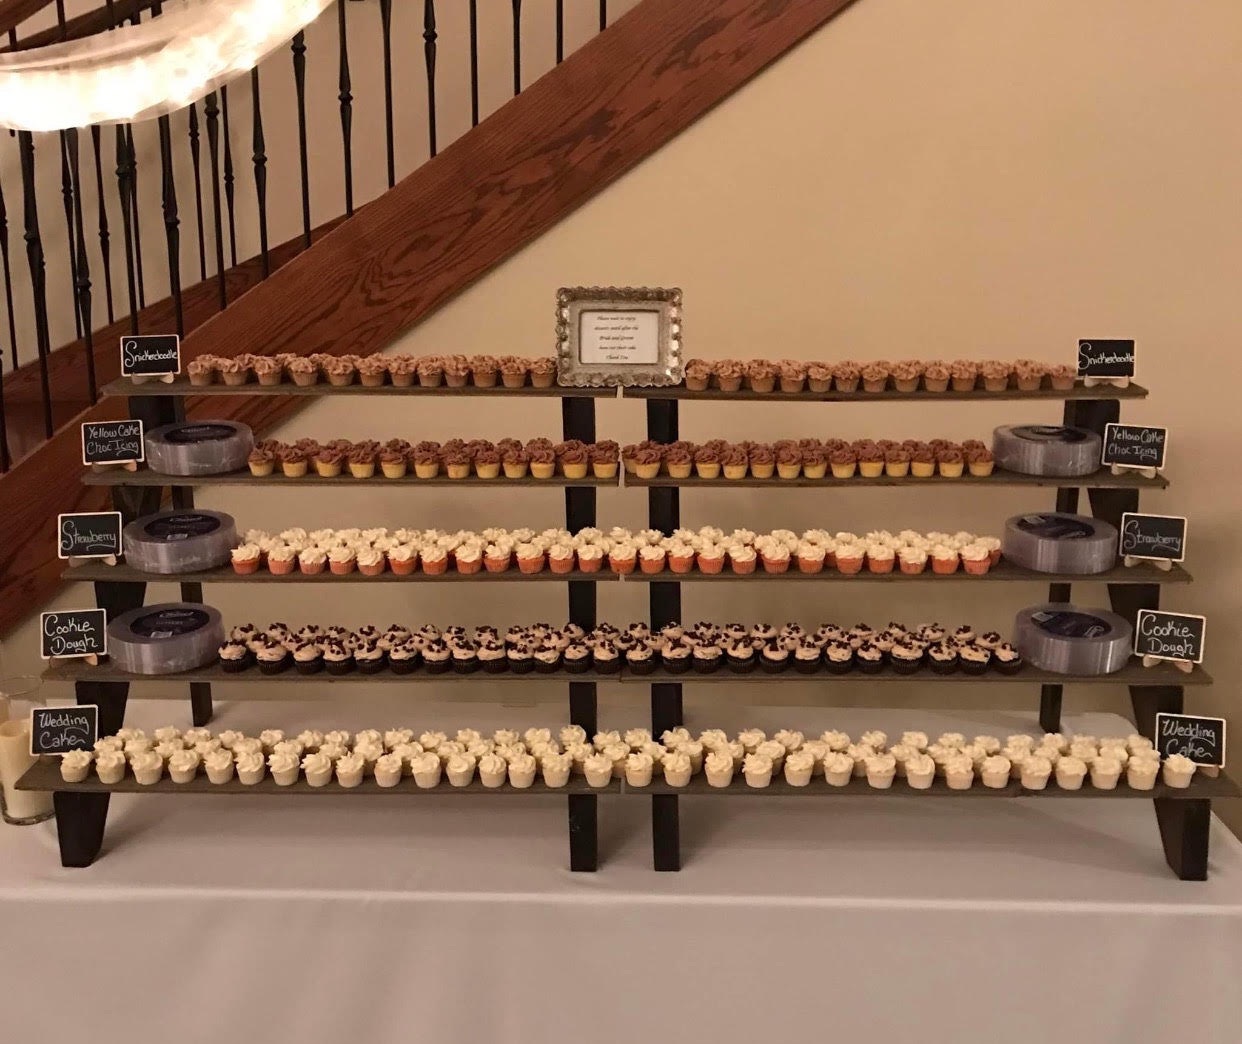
[(605, 658), (906, 657), (808, 656), (774, 657), (370, 658), (307, 658), (235, 656), (437, 659), (1006, 659), (870, 658), (707, 657), (337, 659), (640, 658), (405, 658), (942, 658), (741, 656), (839, 656), (465, 656), (577, 657), (520, 658), (492, 655), (973, 660)]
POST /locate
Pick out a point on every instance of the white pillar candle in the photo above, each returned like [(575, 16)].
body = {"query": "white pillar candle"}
[(15, 759)]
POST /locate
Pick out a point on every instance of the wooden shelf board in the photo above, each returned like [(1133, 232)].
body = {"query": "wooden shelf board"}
[(122, 386), (1132, 674), (125, 574), (1079, 391), (1102, 479), (1001, 573), (146, 477)]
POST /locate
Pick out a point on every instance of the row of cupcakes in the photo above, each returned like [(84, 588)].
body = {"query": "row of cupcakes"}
[(793, 376), (703, 648), (622, 551), (808, 458), (515, 758), (375, 371), (455, 458)]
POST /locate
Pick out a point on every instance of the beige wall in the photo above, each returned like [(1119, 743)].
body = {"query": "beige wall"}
[(964, 178)]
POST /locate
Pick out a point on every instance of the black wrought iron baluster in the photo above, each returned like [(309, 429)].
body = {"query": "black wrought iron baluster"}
[(429, 57), (82, 273), (198, 191), (474, 61), (133, 202), (386, 32), (4, 425), (299, 83), (517, 47), (260, 169), (123, 182), (172, 222), (211, 109), (346, 97), (105, 248), (34, 258), (230, 190), (8, 278), (66, 195), (603, 15), (560, 31)]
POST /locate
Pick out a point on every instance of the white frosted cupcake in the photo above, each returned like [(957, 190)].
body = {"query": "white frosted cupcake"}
[(168, 748), (773, 750), (1020, 741), (634, 738), (494, 770), (350, 770), (902, 752), (147, 766), (719, 768), (874, 738), (920, 772), (555, 769), (317, 768), (1141, 772), (166, 733), (799, 766), (579, 752), (183, 766), (617, 753), (1035, 772), (75, 765), (836, 741), (1071, 771), (268, 738), (219, 766), (677, 768), (1105, 772), (191, 736), (251, 767), (1178, 771), (859, 753), (1136, 744), (395, 738), (337, 736), (427, 769), (959, 772), (460, 770), (881, 770), (522, 771), (598, 769), (109, 744), (839, 768), (751, 738), (110, 766), (288, 746), (284, 766), (571, 734), (389, 769), (671, 738), (638, 769), (757, 769), (994, 771), (138, 745), (600, 739), (370, 751), (248, 745), (429, 740), (693, 749), (917, 740)]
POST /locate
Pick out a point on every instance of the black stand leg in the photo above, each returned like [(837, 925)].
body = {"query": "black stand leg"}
[(664, 513), (578, 422), (1050, 707), (1185, 827), (81, 818)]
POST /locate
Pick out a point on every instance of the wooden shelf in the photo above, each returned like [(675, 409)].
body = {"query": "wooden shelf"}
[(122, 386), (1102, 479), (1079, 391), (44, 775), (1200, 787), (1003, 573), (1132, 674), (146, 477)]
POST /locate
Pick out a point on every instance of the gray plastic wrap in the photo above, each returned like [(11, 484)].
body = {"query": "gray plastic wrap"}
[(1067, 639)]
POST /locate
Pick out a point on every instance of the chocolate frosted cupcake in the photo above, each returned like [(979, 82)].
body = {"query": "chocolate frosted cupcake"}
[(370, 658), (808, 656), (905, 657), (492, 655), (870, 658), (676, 657), (640, 659), (839, 656), (741, 657), (337, 659), (307, 658), (942, 658), (1006, 659), (465, 655), (235, 656), (436, 657), (577, 657), (707, 658), (520, 658), (973, 660), (404, 658), (605, 658), (774, 658)]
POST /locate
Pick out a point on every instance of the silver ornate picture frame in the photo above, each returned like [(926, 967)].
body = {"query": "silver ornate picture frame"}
[(618, 335)]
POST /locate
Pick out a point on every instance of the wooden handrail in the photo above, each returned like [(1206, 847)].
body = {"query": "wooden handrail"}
[(562, 141), (88, 24), (14, 12)]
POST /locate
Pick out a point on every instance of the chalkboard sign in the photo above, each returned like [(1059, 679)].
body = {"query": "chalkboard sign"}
[(112, 442), (1169, 636), (73, 632), (1158, 537), (150, 355), (58, 730), (89, 534), (1134, 446), (1202, 740), (1101, 358)]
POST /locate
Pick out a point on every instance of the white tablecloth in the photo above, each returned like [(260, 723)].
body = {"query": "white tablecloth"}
[(454, 919)]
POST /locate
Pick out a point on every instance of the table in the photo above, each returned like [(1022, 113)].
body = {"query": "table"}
[(454, 920)]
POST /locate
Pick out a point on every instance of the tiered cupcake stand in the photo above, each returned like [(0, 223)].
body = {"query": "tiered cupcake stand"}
[(1183, 815)]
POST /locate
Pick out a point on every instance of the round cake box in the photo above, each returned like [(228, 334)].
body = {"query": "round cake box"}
[(1059, 542), (1046, 449), (199, 448), (165, 638), (1066, 639), (180, 541)]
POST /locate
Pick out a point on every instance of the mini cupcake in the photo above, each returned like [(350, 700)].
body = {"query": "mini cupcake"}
[(807, 656), (870, 658), (404, 658), (491, 656), (308, 658), (437, 659), (676, 657), (547, 657), (464, 656), (740, 657), (942, 658), (1006, 659), (605, 658), (906, 657), (272, 657), (370, 658), (774, 658), (974, 660), (640, 658), (707, 657), (520, 658), (839, 657), (235, 656)]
